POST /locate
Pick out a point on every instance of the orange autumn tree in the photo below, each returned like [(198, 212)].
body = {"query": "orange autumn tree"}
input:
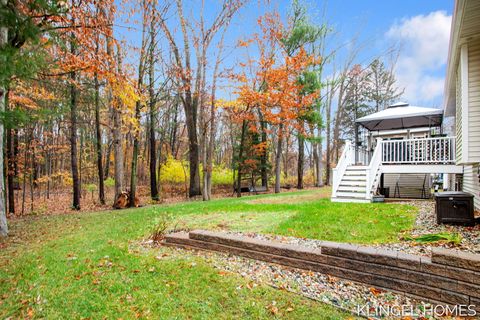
[(81, 52), (268, 87)]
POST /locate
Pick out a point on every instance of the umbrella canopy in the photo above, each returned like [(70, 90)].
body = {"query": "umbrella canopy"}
[(402, 116)]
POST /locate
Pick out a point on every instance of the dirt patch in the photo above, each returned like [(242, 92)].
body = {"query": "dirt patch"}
[(297, 198), (234, 221)]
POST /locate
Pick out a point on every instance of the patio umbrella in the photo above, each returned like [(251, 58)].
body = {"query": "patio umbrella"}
[(402, 116)]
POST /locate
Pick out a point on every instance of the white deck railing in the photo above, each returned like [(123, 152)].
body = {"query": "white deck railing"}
[(419, 151), (372, 170), (362, 156), (346, 159)]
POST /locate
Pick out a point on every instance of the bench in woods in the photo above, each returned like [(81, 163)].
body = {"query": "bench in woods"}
[(250, 189), (258, 189)]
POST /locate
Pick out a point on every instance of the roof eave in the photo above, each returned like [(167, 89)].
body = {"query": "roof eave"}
[(426, 114), (449, 104)]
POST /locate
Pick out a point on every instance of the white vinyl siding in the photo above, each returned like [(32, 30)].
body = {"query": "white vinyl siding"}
[(458, 116), (471, 184), (470, 175), (474, 101)]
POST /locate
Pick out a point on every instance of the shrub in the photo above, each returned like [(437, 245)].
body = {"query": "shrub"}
[(174, 171), (91, 187), (177, 172), (160, 228), (109, 182), (222, 176)]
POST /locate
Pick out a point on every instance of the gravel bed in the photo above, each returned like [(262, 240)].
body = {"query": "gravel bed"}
[(425, 223), (343, 294)]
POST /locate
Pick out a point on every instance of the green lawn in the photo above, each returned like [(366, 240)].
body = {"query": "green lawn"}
[(306, 214), (90, 265)]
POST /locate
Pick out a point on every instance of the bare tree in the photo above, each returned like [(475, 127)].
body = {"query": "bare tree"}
[(151, 106), (210, 140), (192, 89), (136, 133), (73, 131), (98, 132)]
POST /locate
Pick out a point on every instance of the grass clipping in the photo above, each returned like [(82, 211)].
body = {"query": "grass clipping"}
[(445, 237)]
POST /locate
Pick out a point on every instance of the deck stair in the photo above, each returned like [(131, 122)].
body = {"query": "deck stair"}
[(353, 185)]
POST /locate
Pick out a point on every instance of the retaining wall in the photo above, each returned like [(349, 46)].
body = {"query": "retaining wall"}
[(448, 276)]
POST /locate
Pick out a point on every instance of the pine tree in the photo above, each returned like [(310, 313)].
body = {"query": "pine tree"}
[(357, 97), (383, 86)]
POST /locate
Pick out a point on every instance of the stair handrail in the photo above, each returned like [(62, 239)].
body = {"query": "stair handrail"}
[(373, 168), (346, 159)]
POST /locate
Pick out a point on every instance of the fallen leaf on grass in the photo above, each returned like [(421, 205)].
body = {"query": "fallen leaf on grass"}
[(162, 256), (272, 308)]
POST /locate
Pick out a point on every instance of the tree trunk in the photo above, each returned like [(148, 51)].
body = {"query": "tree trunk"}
[(338, 121), (80, 160), (10, 172), (301, 160), (285, 156), (278, 159), (25, 161), (193, 150), (3, 103), (98, 143), (211, 148), (152, 122), (136, 134), (328, 155), (173, 133), (107, 158), (240, 159), (73, 134), (48, 164), (319, 164), (32, 173), (211, 142), (190, 105), (117, 139), (98, 140), (133, 173), (204, 123), (264, 155), (117, 152)]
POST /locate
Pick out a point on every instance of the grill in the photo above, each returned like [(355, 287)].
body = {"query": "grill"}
[(454, 208)]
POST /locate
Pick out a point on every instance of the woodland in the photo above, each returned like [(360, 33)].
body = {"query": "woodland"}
[(91, 119)]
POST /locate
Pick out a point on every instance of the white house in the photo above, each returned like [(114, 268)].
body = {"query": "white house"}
[(462, 91), (405, 146), (359, 172)]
